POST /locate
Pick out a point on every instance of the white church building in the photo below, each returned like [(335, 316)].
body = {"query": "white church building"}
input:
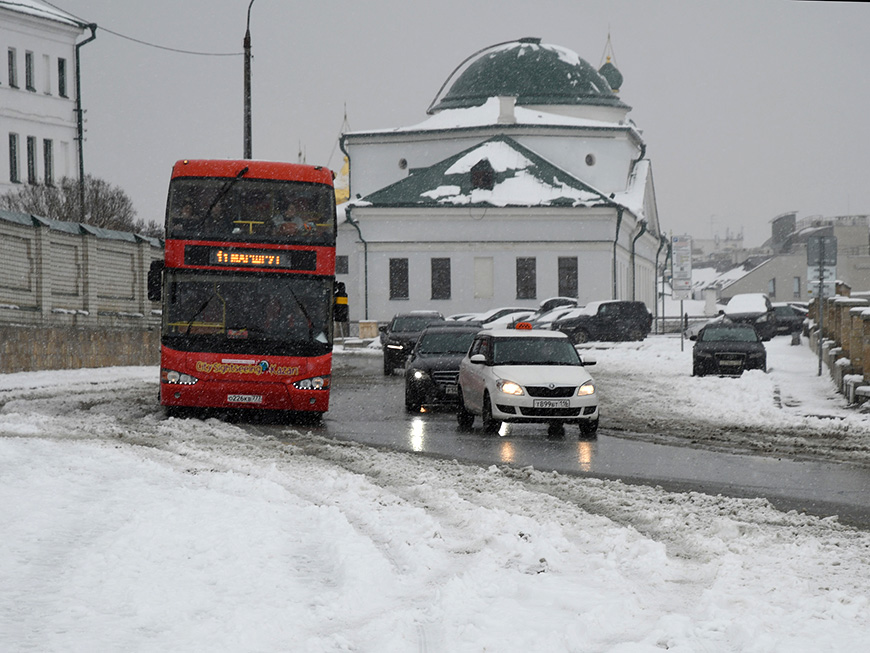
[(527, 181)]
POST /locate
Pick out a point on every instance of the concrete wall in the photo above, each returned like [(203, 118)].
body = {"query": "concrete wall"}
[(74, 296)]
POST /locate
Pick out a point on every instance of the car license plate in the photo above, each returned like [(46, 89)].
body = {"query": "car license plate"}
[(245, 399), (551, 403), (450, 390), (730, 362)]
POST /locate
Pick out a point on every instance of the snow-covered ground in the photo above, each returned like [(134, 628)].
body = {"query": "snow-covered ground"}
[(126, 531)]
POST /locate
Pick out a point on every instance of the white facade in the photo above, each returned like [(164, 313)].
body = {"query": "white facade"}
[(37, 95), (570, 210)]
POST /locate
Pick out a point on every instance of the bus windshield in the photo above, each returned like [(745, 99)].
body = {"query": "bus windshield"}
[(282, 315), (250, 210)]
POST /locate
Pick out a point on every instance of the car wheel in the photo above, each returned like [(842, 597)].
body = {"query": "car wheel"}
[(463, 417), (579, 337), (635, 333), (556, 430), (589, 428), (490, 424), (697, 370), (388, 366)]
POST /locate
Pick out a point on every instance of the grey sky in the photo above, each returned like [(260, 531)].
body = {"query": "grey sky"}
[(750, 108)]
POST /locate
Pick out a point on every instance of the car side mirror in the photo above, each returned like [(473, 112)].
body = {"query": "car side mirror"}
[(478, 359), (588, 360), (382, 328), (693, 337)]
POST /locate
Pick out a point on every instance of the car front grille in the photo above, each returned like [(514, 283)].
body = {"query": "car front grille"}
[(446, 377), (730, 362), (544, 391)]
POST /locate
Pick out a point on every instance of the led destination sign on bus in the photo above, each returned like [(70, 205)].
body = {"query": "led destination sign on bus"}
[(250, 258)]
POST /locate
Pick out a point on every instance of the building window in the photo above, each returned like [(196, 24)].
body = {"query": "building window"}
[(46, 82), (568, 276), (527, 283), (61, 77), (14, 175), (771, 288), (440, 278), (48, 161), (31, 160), (341, 265), (13, 68), (28, 71), (796, 287), (398, 278)]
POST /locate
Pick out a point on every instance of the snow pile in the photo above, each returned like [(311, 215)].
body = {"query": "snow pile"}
[(127, 531)]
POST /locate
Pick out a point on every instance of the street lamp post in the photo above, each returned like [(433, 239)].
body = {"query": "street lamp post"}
[(247, 46)]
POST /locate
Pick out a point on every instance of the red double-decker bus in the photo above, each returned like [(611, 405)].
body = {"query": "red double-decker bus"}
[(248, 287)]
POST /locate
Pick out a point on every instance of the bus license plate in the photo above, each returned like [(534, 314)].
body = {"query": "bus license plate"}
[(551, 403), (245, 399)]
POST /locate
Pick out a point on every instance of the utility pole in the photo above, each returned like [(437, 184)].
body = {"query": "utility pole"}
[(247, 46)]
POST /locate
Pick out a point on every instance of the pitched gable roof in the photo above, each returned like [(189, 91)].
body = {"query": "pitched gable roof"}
[(515, 176)]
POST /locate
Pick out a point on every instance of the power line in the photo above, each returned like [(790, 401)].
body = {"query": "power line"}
[(146, 43)]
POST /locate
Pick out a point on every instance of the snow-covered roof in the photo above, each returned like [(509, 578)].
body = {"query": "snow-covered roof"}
[(488, 113), (519, 177), (40, 10)]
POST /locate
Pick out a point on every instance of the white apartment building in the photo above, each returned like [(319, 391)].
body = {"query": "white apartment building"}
[(38, 122)]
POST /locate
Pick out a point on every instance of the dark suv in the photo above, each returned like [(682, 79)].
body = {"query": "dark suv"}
[(433, 370), (606, 320), (399, 336)]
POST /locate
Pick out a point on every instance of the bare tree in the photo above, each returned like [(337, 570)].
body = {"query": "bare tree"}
[(106, 206)]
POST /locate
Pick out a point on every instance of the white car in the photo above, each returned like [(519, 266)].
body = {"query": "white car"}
[(523, 375)]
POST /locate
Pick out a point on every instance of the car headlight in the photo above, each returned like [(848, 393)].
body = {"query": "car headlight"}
[(393, 345), (314, 383), (703, 354), (509, 387), (762, 319), (418, 375), (177, 378), (586, 389), (757, 354)]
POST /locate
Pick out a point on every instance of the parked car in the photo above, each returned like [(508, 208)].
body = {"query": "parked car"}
[(399, 336), (432, 372), (728, 348), (514, 375), (606, 320), (497, 313), (789, 318), (754, 309)]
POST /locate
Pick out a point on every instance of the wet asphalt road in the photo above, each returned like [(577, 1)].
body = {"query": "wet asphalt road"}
[(367, 407)]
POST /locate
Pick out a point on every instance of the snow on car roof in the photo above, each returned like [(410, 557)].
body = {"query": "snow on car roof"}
[(525, 333), (747, 303)]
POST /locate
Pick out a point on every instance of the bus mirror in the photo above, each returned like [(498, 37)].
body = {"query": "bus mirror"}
[(340, 311), (155, 279)]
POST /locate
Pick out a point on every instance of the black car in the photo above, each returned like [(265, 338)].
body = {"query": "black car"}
[(755, 310), (728, 348), (398, 337), (432, 372), (789, 318), (606, 320)]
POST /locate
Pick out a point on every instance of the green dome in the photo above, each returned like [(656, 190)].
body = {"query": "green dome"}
[(534, 73)]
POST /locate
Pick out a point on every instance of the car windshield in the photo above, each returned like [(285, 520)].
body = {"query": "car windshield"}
[(720, 334), (412, 322), (445, 343), (534, 351)]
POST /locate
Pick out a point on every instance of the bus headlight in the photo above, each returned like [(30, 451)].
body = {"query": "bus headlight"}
[(314, 383), (176, 378)]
